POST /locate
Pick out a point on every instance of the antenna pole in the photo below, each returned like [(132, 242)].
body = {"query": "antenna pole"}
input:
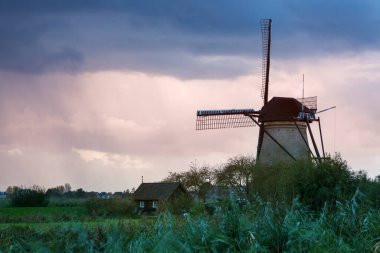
[(303, 90)]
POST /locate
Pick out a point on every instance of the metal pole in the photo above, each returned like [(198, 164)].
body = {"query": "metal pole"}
[(314, 144), (320, 133), (303, 138)]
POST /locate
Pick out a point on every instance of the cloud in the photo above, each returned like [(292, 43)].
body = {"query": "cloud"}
[(14, 151), (99, 95), (112, 160), (186, 39)]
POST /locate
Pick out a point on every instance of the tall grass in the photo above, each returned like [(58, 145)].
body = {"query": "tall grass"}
[(256, 227)]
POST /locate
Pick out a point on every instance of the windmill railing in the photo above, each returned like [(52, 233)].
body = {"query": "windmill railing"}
[(309, 102)]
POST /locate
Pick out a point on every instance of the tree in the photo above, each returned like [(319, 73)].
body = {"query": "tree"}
[(11, 189), (80, 193), (29, 197), (237, 172), (67, 187), (193, 179)]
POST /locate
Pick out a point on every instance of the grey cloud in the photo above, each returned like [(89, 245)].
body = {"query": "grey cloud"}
[(43, 36), (22, 49)]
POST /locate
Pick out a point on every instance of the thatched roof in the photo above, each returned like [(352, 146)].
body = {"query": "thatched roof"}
[(156, 191), (281, 109)]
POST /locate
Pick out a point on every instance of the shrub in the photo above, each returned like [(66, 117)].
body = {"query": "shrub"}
[(198, 209), (177, 206), (109, 207), (29, 197), (314, 184)]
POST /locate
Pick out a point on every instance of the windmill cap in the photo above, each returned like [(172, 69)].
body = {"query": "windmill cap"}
[(282, 109)]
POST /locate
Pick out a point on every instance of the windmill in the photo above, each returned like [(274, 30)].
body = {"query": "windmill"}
[(283, 121)]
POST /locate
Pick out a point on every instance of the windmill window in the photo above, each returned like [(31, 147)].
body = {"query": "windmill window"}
[(154, 204), (142, 204)]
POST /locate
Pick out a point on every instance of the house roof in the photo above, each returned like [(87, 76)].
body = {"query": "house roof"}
[(281, 109), (156, 191)]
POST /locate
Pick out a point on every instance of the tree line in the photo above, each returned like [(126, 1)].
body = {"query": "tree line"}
[(313, 183)]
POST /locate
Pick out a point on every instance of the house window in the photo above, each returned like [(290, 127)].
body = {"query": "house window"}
[(154, 204), (142, 204)]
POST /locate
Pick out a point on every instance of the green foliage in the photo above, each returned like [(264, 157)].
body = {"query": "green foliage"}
[(66, 202), (29, 197), (237, 172), (4, 202), (109, 207), (176, 206), (297, 207), (314, 184), (192, 180), (259, 227), (40, 214), (198, 209)]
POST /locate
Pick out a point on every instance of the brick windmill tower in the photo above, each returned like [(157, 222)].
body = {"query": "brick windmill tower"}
[(284, 122)]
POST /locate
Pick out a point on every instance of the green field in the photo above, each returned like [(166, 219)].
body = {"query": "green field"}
[(41, 214)]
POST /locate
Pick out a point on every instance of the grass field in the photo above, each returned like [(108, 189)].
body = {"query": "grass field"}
[(43, 226), (41, 214)]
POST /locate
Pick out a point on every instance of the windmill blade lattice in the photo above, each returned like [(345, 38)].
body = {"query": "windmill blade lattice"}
[(266, 27), (218, 119)]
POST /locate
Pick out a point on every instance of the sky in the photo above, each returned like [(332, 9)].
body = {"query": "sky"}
[(100, 93)]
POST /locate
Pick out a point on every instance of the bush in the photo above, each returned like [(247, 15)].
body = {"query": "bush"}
[(198, 209), (29, 197), (314, 184), (109, 207), (177, 206)]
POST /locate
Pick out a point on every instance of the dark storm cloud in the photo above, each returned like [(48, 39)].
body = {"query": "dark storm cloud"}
[(176, 37)]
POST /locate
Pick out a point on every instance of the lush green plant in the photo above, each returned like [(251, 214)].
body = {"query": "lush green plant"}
[(258, 227), (197, 209), (177, 206), (109, 207), (41, 214), (313, 183), (29, 197)]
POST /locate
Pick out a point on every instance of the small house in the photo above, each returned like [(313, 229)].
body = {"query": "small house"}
[(219, 193), (148, 196), (103, 195)]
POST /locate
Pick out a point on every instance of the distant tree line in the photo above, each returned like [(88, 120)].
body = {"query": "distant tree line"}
[(22, 196)]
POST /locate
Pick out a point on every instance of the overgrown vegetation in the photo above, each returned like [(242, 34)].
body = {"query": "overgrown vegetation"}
[(298, 207), (258, 227), (28, 197), (110, 207)]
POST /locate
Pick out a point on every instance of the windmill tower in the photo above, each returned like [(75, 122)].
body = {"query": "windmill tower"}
[(283, 121)]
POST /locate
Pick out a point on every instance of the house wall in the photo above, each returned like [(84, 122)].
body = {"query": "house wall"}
[(148, 204)]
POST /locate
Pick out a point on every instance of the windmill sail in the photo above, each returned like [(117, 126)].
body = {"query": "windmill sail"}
[(266, 29), (218, 119)]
